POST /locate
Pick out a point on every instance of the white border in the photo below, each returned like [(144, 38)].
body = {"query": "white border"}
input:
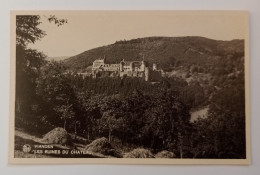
[(217, 14)]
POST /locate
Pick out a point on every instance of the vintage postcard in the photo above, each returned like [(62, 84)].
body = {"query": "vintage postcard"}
[(129, 87)]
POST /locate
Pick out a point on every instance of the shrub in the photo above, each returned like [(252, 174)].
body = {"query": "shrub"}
[(102, 146), (165, 154), (58, 136), (139, 153)]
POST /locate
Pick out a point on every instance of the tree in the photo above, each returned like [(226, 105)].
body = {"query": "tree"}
[(27, 30), (90, 114), (28, 64), (109, 122), (53, 87), (65, 112), (134, 107), (27, 70), (222, 133), (110, 109), (167, 122)]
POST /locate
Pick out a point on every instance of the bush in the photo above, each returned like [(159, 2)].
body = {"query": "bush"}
[(58, 136), (165, 154), (102, 146), (139, 153)]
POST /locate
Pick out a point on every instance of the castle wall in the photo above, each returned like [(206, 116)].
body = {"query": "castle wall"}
[(132, 74), (111, 67)]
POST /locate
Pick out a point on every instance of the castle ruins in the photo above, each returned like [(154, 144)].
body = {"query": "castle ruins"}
[(126, 68)]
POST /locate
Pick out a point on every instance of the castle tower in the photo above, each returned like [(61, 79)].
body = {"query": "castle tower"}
[(146, 74), (121, 67), (143, 65), (131, 66)]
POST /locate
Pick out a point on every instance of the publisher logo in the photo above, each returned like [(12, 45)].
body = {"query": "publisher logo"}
[(26, 148)]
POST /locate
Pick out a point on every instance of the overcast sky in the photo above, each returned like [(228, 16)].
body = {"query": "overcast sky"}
[(87, 30)]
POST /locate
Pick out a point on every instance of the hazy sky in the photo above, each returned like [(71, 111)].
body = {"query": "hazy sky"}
[(87, 30)]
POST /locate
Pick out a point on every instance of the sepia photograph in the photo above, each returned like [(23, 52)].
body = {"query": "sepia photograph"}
[(129, 87)]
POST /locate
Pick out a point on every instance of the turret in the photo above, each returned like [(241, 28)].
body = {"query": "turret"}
[(143, 65), (131, 66), (146, 74), (121, 68)]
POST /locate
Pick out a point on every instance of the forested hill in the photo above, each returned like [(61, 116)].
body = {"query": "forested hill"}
[(166, 51)]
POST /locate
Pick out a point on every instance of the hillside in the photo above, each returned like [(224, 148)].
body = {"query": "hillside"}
[(61, 58), (168, 52)]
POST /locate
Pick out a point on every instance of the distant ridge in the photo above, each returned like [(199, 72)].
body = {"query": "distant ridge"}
[(165, 51), (61, 58)]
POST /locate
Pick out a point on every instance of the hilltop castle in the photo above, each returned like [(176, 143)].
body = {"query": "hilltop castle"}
[(126, 68)]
